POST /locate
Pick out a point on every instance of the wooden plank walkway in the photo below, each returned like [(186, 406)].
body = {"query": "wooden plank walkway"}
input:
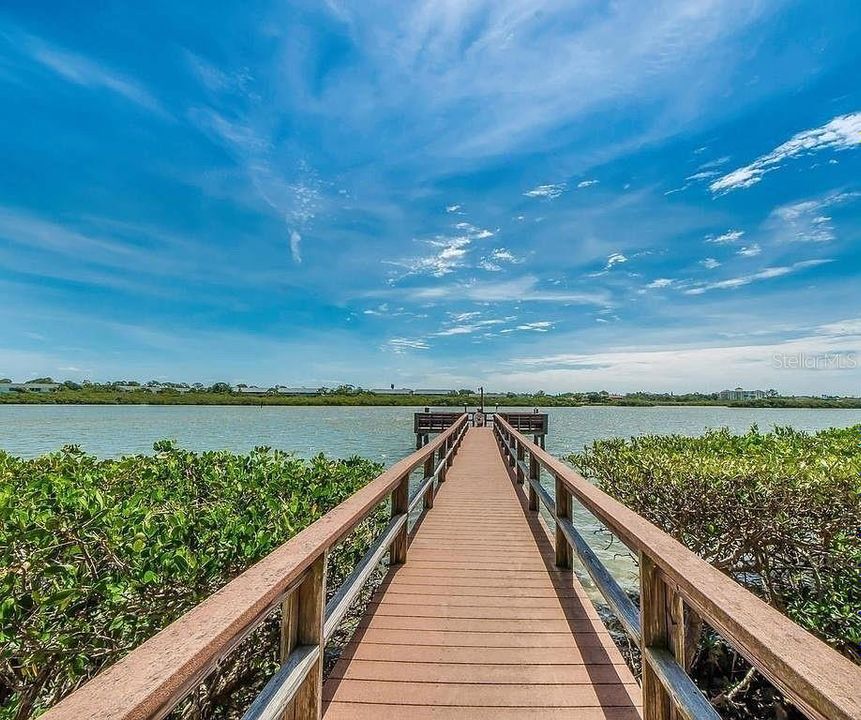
[(479, 623)]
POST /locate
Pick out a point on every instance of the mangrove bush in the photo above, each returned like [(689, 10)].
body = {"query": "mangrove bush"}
[(98, 555), (779, 512)]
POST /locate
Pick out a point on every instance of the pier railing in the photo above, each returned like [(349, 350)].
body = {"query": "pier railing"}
[(674, 584), (153, 679)]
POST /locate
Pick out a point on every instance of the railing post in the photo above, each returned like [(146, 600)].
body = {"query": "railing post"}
[(400, 505), (563, 510), (302, 619), (440, 458), (428, 471), (654, 612)]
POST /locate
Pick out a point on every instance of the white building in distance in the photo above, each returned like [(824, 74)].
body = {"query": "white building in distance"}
[(742, 394)]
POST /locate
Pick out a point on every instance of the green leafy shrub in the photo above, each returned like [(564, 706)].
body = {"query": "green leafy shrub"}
[(98, 555), (779, 512)]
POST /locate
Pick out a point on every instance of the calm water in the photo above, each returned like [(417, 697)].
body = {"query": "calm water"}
[(382, 433)]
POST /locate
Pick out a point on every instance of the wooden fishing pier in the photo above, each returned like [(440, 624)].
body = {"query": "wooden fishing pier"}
[(480, 615)]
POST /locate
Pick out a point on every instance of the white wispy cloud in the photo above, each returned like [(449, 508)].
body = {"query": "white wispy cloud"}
[(457, 330), (806, 221), (450, 255), (293, 193), (221, 80), (522, 289), (717, 162), (98, 251), (709, 263), (672, 366), (441, 60), (615, 259), (498, 257), (86, 72), (702, 175), (450, 252), (296, 246), (586, 183), (452, 208), (660, 283), (402, 345), (381, 309), (469, 328), (750, 250), (766, 274), (548, 192), (463, 316), (538, 326), (726, 238), (841, 133), (473, 232), (851, 326)]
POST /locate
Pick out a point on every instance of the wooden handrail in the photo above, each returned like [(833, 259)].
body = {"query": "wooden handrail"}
[(818, 680), (151, 680)]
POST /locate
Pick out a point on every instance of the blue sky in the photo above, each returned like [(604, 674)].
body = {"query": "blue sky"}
[(556, 195)]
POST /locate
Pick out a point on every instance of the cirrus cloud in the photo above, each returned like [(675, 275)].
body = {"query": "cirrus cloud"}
[(841, 133)]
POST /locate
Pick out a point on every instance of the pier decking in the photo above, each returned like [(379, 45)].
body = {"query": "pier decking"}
[(480, 623)]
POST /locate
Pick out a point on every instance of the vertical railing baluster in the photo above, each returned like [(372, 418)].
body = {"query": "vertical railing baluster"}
[(302, 620), (654, 618), (428, 471), (521, 455), (534, 474), (564, 552)]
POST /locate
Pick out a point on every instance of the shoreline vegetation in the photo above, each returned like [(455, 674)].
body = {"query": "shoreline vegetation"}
[(347, 396), (98, 555), (778, 512)]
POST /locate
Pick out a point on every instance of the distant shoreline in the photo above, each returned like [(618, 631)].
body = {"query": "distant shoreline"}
[(103, 397)]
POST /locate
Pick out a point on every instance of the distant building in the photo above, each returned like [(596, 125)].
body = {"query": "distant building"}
[(29, 387), (250, 390), (281, 390), (392, 391), (155, 388), (434, 392), (742, 394)]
